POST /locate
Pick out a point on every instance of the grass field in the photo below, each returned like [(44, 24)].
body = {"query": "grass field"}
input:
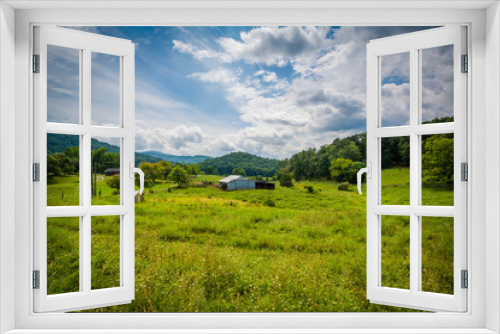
[(287, 250)]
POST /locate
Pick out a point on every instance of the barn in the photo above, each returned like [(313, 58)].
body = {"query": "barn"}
[(112, 171), (236, 182)]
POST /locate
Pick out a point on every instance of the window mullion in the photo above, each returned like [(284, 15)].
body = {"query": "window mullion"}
[(415, 252), (86, 174)]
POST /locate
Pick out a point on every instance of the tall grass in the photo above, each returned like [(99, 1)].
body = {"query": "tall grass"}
[(207, 250)]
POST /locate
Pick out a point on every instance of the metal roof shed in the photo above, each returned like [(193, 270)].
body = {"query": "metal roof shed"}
[(236, 182)]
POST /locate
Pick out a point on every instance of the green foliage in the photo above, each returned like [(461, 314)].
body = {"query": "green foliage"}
[(214, 251), (310, 189), (395, 152), (437, 160), (193, 169), (252, 164), (270, 203), (312, 164), (114, 182), (286, 180), (179, 175), (239, 171), (340, 168), (343, 186)]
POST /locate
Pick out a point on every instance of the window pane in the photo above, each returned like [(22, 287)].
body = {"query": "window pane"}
[(396, 251), (105, 252), (105, 90), (63, 170), (105, 183), (437, 84), (395, 89), (63, 85), (63, 255), (437, 170), (395, 179), (437, 254)]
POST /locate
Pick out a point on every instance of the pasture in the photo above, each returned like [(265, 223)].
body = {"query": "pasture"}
[(200, 249)]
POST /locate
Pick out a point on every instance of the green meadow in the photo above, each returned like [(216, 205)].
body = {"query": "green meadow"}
[(201, 249)]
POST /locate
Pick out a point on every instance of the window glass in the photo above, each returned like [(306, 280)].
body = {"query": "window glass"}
[(437, 84), (395, 89), (106, 171), (106, 103), (63, 170), (105, 252), (63, 85), (63, 255)]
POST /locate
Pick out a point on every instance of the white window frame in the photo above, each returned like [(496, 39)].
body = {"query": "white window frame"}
[(483, 211), (85, 44), (413, 44)]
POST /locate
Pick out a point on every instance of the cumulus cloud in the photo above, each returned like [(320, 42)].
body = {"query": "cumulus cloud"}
[(177, 140), (264, 45), (322, 96)]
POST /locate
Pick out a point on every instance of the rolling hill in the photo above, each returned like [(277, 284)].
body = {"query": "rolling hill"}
[(252, 164), (184, 159), (59, 143)]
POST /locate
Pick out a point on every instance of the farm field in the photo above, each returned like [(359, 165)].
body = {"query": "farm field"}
[(200, 249)]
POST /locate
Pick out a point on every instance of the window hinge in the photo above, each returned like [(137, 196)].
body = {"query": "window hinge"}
[(465, 64), (464, 171), (465, 279), (36, 172), (36, 279), (36, 63)]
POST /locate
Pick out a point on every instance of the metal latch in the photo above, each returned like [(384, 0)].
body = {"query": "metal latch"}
[(36, 279)]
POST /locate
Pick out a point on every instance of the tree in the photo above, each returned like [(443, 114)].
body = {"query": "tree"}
[(194, 169), (114, 182), (340, 169), (165, 168), (97, 160), (53, 168), (152, 171), (353, 171), (239, 171), (179, 175), (286, 180), (437, 160)]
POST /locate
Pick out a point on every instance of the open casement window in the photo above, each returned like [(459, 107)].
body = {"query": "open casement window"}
[(84, 98), (403, 102)]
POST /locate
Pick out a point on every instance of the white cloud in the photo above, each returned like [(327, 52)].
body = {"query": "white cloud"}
[(176, 140), (322, 99)]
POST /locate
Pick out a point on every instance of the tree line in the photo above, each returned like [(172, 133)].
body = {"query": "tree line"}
[(341, 160)]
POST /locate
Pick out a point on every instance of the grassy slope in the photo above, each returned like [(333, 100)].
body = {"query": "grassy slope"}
[(205, 250)]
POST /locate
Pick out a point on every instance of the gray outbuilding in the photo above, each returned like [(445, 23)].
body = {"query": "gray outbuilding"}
[(236, 182)]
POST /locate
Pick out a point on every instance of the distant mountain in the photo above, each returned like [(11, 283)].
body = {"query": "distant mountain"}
[(252, 164), (184, 159), (59, 143)]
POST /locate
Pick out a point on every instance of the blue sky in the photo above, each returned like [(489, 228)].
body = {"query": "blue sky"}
[(270, 91)]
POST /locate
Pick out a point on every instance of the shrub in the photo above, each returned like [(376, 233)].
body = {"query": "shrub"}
[(343, 186), (113, 182), (310, 189), (270, 203)]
